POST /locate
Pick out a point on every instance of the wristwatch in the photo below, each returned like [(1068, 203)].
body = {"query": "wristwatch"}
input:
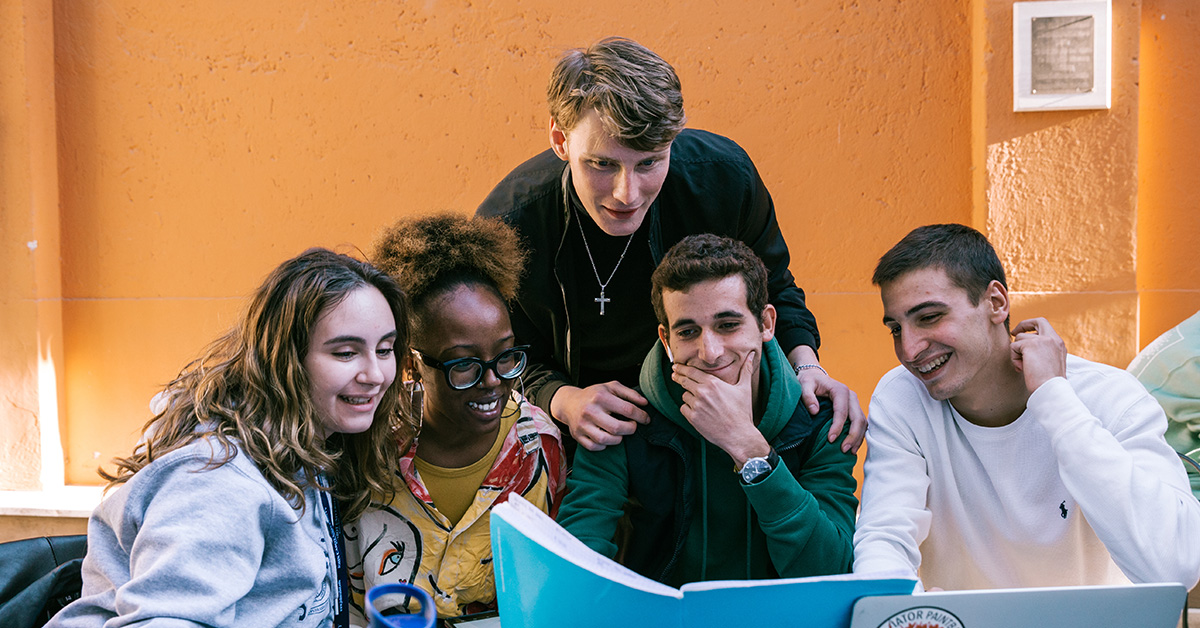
[(758, 468)]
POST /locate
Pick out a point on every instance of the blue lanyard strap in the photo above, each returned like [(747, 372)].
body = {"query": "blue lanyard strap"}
[(333, 520)]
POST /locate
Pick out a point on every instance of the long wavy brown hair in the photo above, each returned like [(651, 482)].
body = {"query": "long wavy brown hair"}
[(249, 391)]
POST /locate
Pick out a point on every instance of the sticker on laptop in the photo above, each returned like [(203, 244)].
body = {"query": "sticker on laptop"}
[(923, 617)]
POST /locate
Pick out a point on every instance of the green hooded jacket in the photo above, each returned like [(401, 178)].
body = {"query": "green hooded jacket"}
[(798, 521)]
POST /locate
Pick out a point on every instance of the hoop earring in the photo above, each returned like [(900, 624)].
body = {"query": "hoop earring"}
[(415, 403)]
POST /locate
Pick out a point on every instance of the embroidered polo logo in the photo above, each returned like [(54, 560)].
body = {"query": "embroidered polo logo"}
[(1062, 509)]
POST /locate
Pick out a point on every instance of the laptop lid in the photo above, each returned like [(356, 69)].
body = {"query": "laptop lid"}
[(1133, 606)]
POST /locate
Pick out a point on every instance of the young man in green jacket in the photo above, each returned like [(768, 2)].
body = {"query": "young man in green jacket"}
[(732, 477)]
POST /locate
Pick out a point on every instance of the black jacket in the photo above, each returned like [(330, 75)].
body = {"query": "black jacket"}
[(711, 187)]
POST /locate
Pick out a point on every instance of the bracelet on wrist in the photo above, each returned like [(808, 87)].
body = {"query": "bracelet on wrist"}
[(811, 365)]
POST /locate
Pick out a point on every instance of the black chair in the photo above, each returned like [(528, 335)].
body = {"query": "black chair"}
[(38, 577)]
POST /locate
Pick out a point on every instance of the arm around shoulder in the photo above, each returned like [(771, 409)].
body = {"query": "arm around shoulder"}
[(796, 324)]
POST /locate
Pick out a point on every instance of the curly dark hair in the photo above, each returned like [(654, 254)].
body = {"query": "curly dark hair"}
[(704, 257), (430, 255)]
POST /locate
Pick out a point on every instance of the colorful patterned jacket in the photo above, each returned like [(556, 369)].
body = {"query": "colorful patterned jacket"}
[(408, 540)]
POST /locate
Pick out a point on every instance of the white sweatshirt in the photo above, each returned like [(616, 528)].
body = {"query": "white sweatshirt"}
[(1080, 489)]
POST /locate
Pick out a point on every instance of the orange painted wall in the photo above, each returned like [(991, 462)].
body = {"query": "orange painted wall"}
[(1168, 253), (198, 146), (30, 286), (1061, 198)]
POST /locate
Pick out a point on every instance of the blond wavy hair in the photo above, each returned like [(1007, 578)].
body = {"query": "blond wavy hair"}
[(636, 92), (249, 391)]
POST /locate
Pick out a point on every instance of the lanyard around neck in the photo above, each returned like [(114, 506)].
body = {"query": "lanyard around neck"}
[(341, 581)]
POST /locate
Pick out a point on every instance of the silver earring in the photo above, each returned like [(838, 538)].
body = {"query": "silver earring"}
[(415, 402)]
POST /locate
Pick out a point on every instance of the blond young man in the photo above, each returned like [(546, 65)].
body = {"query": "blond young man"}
[(634, 183)]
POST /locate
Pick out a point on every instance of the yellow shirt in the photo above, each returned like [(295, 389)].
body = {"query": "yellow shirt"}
[(409, 540), (453, 490)]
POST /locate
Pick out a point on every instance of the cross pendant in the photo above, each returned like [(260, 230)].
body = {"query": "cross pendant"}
[(602, 300)]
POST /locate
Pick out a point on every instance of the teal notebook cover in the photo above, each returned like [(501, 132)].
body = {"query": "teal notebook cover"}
[(547, 578), (820, 602)]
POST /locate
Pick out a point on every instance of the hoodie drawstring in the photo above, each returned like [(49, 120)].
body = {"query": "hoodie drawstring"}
[(704, 519), (704, 509), (749, 525)]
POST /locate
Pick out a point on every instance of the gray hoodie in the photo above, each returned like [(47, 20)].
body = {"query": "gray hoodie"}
[(181, 545)]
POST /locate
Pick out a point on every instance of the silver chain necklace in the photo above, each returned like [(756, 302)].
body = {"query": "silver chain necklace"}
[(603, 284)]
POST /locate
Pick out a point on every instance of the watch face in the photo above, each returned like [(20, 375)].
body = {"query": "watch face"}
[(755, 468)]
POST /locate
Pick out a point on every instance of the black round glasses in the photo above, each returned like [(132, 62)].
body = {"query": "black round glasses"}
[(463, 373)]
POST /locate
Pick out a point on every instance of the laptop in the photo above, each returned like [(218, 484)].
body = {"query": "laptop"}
[(1132, 606)]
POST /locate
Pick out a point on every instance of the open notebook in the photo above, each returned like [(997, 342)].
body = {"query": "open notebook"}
[(1132, 606), (546, 578)]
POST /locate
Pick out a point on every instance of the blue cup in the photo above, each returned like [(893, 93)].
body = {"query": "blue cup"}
[(399, 595)]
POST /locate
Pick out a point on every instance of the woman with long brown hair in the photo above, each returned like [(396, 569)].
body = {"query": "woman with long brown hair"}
[(227, 512)]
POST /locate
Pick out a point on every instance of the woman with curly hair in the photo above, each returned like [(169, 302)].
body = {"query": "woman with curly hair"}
[(227, 512), (480, 440)]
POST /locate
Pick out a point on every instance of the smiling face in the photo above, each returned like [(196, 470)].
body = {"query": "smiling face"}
[(711, 327), (615, 183), (956, 348), (350, 362), (467, 321)]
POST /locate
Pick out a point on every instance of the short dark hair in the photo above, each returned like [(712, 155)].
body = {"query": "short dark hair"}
[(965, 254), (636, 93), (704, 257)]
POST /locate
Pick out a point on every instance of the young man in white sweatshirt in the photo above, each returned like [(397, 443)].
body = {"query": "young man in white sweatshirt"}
[(995, 458)]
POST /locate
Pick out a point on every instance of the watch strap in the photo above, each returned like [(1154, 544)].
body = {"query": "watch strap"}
[(760, 467)]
